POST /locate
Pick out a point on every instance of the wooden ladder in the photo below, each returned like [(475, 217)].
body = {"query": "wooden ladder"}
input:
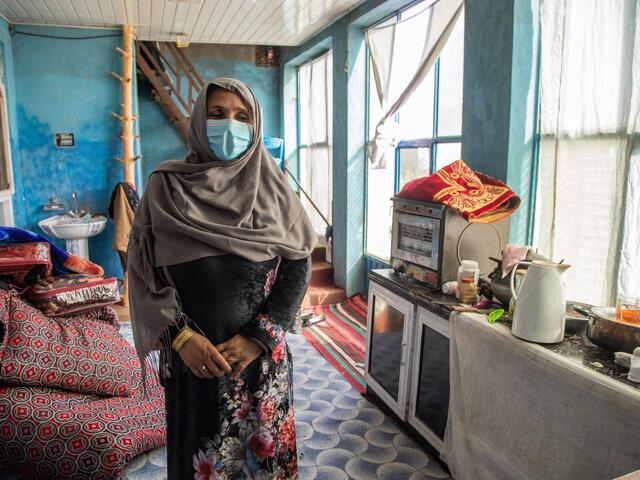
[(174, 80)]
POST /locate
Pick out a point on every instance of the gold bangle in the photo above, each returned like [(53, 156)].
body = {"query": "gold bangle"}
[(181, 339)]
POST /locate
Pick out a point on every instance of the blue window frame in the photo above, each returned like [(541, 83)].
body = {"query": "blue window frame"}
[(420, 151)]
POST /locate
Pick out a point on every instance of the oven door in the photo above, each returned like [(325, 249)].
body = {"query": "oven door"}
[(389, 324), (416, 239), (429, 392)]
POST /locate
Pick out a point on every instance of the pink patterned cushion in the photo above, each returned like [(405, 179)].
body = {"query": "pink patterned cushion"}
[(81, 353)]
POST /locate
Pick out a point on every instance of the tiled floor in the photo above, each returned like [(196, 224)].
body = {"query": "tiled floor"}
[(341, 435)]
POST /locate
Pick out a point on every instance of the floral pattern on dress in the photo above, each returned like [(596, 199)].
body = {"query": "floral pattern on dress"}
[(257, 438), (271, 278)]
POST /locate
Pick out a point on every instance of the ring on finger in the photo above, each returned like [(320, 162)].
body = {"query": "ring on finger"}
[(203, 368)]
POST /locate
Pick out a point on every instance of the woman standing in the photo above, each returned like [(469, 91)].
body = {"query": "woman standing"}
[(218, 263)]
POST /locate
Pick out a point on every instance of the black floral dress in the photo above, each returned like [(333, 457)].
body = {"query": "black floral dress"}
[(244, 429)]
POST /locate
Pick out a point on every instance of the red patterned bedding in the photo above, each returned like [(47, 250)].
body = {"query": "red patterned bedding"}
[(55, 434)]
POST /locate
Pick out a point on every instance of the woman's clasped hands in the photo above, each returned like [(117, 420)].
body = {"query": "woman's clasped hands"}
[(208, 361)]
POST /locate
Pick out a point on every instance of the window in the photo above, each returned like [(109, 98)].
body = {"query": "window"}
[(587, 203), (6, 176), (429, 126), (314, 139)]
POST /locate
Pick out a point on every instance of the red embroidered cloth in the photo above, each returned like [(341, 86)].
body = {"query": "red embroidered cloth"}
[(475, 196)]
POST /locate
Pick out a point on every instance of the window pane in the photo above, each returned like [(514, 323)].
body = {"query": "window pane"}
[(447, 153), (315, 97), (450, 83), (414, 163), (375, 109), (416, 117), (304, 85), (379, 193)]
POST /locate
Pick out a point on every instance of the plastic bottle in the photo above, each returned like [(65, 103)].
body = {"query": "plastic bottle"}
[(468, 269), (450, 288), (468, 291)]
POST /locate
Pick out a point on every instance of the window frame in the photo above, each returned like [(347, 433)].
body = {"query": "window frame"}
[(430, 142), (299, 145)]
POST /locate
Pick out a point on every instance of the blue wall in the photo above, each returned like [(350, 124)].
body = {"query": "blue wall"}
[(65, 86), (161, 141), (500, 75)]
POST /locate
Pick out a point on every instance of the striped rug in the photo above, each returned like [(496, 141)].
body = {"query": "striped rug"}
[(341, 337)]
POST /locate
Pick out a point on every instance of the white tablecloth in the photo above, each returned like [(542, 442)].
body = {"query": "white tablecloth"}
[(519, 411)]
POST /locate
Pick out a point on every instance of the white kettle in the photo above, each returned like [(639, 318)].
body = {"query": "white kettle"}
[(540, 310)]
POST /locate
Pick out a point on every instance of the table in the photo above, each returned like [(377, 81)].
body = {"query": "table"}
[(522, 411)]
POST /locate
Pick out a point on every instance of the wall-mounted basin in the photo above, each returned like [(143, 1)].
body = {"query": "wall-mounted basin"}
[(74, 231)]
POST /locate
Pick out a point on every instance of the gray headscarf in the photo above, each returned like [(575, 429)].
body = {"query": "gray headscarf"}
[(202, 206)]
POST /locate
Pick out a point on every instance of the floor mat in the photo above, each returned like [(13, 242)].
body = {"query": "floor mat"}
[(340, 338)]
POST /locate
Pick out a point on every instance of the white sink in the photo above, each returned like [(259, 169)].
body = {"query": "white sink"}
[(58, 226), (76, 234)]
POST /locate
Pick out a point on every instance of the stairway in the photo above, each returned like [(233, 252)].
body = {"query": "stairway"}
[(174, 81), (322, 290)]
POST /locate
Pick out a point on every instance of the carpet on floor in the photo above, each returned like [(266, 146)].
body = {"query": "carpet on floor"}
[(341, 337)]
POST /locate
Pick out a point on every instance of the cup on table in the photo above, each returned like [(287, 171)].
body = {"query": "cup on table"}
[(628, 310)]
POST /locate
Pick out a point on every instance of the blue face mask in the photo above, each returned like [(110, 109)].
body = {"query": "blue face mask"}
[(229, 139)]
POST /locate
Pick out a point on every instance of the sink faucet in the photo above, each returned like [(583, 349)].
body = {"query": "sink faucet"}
[(74, 212)]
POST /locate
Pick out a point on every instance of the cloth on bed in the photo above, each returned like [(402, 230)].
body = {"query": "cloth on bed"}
[(81, 353), (63, 262), (55, 434), (23, 263)]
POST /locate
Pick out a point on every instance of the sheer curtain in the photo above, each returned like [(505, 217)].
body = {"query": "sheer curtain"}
[(438, 19), (588, 198), (315, 101)]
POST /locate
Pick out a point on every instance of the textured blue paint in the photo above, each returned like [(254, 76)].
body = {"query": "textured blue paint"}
[(65, 86), (522, 127), (160, 141), (498, 100), (488, 37)]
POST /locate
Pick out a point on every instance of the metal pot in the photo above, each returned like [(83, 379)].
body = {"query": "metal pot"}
[(612, 335)]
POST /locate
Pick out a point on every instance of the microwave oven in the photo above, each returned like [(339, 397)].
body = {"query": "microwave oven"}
[(428, 241)]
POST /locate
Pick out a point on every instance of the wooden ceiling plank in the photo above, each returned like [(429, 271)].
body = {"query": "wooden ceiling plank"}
[(43, 12), (94, 12), (325, 20), (179, 18), (236, 19), (157, 10), (168, 17), (204, 17), (221, 16), (70, 12), (120, 12), (269, 21), (230, 14), (12, 11), (249, 22), (277, 31), (144, 18)]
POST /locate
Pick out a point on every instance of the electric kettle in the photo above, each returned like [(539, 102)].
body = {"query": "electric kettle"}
[(540, 310)]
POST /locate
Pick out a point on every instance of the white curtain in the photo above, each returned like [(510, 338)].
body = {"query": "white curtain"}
[(587, 203), (315, 100), (394, 90)]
